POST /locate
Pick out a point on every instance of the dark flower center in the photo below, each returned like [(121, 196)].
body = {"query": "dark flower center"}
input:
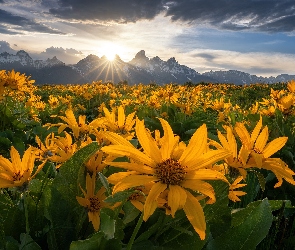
[(170, 172), (17, 176), (94, 204)]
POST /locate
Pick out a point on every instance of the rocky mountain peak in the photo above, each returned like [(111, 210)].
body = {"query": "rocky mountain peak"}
[(22, 53), (141, 55)]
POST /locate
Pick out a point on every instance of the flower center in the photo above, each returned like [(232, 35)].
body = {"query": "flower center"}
[(257, 151), (17, 176), (94, 204), (170, 172)]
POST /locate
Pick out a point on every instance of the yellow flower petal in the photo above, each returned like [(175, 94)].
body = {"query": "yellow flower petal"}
[(196, 146), (121, 117), (274, 146), (95, 219), (132, 166), (202, 187), (256, 130), (148, 144), (207, 159), (131, 152), (195, 214), (15, 160), (83, 201), (133, 181), (205, 174), (168, 138), (116, 139), (137, 204), (151, 200), (116, 177), (176, 198), (261, 140), (6, 165)]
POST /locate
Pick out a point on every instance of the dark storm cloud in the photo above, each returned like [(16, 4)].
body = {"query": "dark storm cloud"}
[(122, 11), (13, 24), (262, 15), (206, 56)]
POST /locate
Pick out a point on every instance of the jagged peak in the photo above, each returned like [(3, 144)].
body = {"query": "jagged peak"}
[(22, 53), (172, 59), (141, 55)]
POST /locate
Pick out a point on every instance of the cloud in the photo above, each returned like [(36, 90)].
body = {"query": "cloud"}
[(5, 47), (14, 24), (205, 56), (258, 63), (267, 16), (120, 11), (67, 56)]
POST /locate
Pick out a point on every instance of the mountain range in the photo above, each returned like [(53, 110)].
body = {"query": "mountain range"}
[(140, 69)]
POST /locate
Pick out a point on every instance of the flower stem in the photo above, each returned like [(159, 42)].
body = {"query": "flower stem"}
[(138, 225), (26, 213)]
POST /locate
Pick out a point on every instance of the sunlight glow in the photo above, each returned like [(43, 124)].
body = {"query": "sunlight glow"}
[(110, 50)]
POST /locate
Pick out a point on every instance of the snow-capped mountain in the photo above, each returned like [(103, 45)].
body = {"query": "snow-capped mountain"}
[(140, 69), (239, 77)]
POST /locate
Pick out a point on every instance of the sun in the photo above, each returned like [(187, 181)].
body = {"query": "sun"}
[(110, 55), (110, 50)]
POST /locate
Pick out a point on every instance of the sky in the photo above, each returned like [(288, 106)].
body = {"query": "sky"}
[(254, 36)]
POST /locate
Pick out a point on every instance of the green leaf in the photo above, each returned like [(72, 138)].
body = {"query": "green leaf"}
[(66, 182), (261, 180), (249, 227), (107, 225), (218, 214), (27, 243), (92, 243), (130, 212), (120, 196), (104, 182)]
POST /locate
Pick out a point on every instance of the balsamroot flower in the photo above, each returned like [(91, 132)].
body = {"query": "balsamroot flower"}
[(93, 202), (177, 173), (18, 171), (259, 151)]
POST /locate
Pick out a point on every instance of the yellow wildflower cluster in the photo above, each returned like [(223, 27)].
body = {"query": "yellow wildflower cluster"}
[(11, 80)]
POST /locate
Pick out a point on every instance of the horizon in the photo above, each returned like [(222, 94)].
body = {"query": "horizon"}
[(256, 37)]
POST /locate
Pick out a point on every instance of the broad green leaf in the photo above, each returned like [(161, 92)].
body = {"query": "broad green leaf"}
[(120, 196), (27, 243), (248, 228), (66, 182), (107, 225), (104, 182), (218, 214), (130, 212), (92, 243)]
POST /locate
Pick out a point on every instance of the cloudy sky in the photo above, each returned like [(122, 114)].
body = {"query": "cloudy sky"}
[(254, 36)]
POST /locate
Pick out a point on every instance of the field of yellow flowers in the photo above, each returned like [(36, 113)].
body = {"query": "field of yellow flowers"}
[(113, 166)]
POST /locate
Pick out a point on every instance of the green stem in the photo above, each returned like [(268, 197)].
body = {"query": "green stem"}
[(138, 225), (26, 213)]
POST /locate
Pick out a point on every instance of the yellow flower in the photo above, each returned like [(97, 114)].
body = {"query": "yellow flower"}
[(45, 151), (95, 163), (176, 172), (17, 172), (238, 158), (65, 149), (234, 194), (260, 151), (93, 202), (80, 128), (122, 125)]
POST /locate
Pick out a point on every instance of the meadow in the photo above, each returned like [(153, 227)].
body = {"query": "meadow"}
[(112, 166)]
